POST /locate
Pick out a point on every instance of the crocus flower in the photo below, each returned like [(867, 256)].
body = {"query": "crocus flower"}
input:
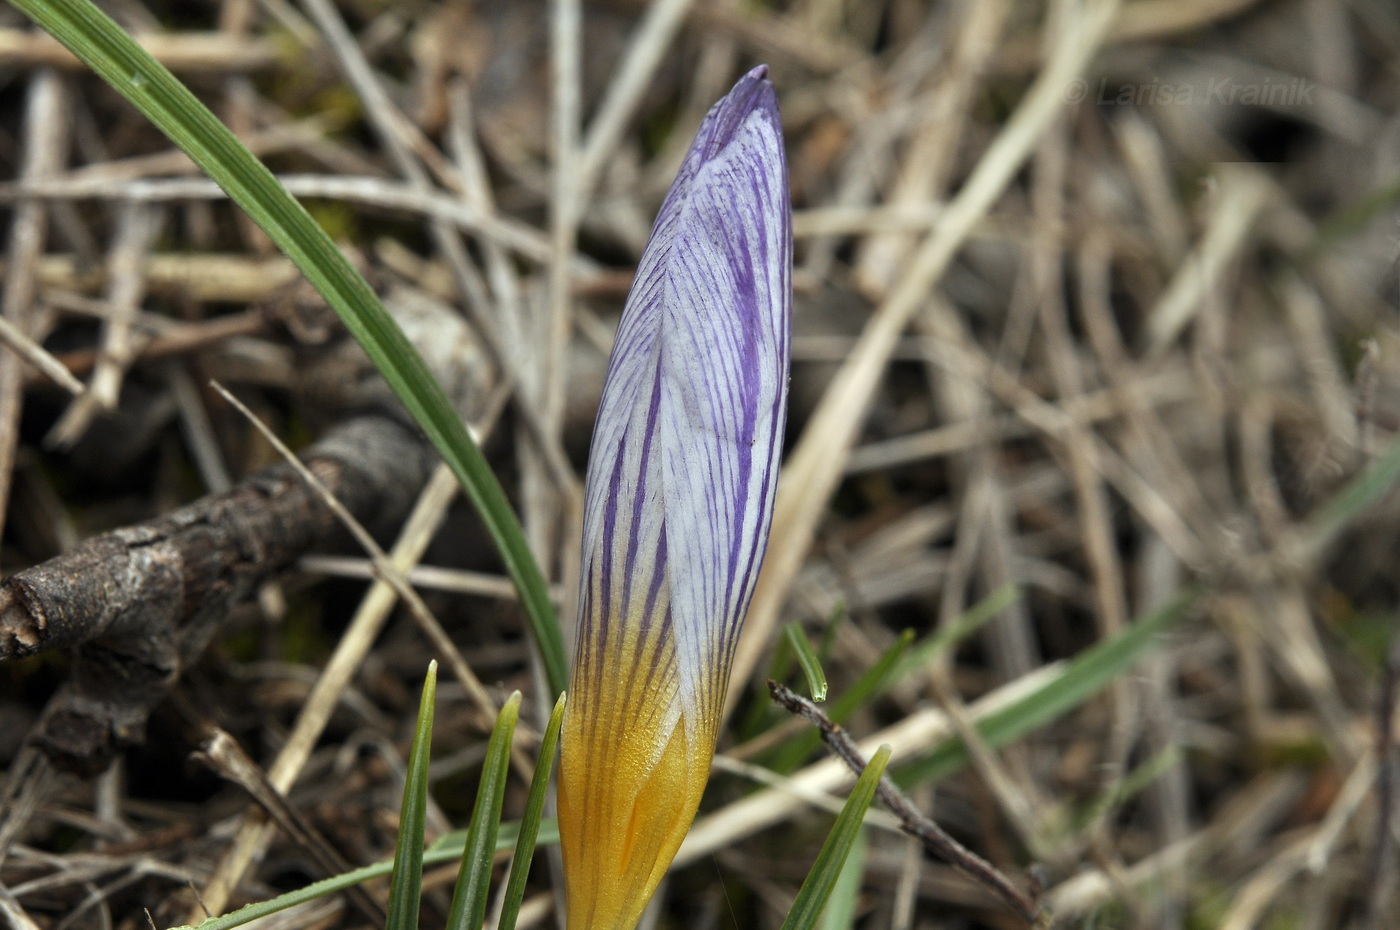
[(678, 502)]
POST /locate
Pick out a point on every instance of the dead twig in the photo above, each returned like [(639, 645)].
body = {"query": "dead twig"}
[(933, 837), (141, 602)]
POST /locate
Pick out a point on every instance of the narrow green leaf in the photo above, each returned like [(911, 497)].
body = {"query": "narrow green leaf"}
[(840, 910), (1080, 679), (807, 659), (474, 880), (1123, 791), (838, 616), (871, 683), (1352, 218), (1346, 505), (103, 46), (763, 712), (447, 848), (976, 617), (817, 888), (406, 885), (530, 822)]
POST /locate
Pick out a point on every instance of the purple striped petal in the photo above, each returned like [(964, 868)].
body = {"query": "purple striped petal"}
[(679, 499)]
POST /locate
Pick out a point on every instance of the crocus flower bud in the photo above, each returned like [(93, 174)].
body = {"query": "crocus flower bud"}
[(678, 502)]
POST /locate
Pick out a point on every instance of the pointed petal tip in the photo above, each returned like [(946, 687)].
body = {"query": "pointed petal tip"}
[(752, 93)]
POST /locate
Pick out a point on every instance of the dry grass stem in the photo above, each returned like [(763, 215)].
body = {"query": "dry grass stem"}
[(32, 352), (47, 137), (183, 53)]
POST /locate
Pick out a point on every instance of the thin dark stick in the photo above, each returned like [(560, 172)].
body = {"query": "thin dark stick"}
[(911, 821)]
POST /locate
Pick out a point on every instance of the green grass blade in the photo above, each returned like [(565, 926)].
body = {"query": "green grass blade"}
[(840, 911), (1080, 679), (103, 46), (762, 712), (871, 684), (839, 615), (821, 880), (447, 848), (530, 822), (474, 879), (1123, 791), (807, 660), (1363, 490), (976, 617), (405, 888), (1353, 217)]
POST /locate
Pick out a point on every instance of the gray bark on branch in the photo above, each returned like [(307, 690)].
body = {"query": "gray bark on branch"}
[(139, 604)]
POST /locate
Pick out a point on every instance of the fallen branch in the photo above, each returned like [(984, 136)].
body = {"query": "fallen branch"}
[(139, 604)]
